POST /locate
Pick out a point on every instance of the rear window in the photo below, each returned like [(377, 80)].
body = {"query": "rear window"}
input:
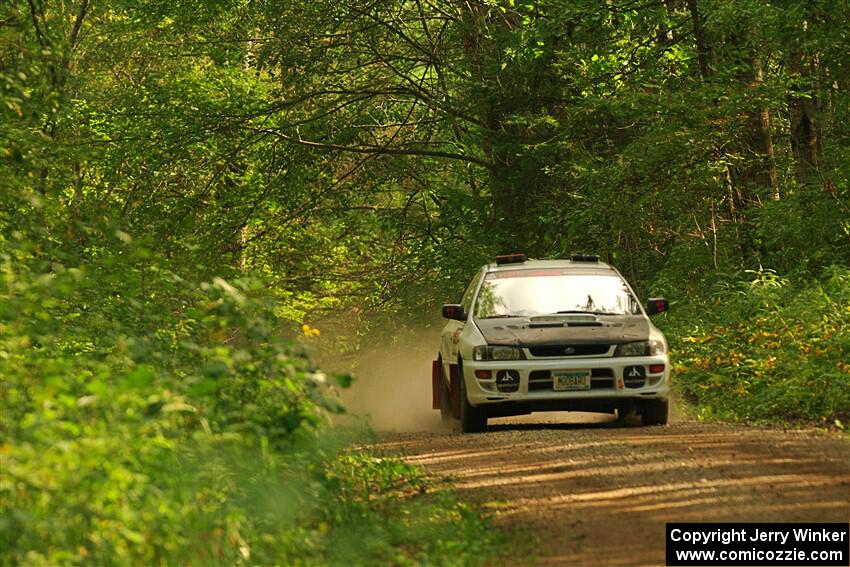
[(526, 293)]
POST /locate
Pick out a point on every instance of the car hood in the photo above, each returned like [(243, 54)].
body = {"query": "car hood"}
[(550, 330)]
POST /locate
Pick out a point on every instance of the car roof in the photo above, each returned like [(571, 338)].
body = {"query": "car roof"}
[(584, 268)]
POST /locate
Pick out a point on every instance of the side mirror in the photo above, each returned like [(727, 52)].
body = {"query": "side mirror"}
[(454, 311), (656, 305)]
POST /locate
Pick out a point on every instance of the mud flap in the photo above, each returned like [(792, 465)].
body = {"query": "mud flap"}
[(454, 390), (435, 384)]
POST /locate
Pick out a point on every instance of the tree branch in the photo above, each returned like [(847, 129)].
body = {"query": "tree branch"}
[(377, 150), (78, 24), (42, 39)]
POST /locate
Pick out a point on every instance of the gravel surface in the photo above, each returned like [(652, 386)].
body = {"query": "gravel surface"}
[(593, 491)]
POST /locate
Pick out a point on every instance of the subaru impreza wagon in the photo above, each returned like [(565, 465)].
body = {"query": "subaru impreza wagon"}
[(550, 335)]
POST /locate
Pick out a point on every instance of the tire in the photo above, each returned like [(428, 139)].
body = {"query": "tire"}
[(472, 419), (655, 412), (445, 396)]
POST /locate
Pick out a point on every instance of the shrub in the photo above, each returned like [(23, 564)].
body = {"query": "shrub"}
[(764, 348)]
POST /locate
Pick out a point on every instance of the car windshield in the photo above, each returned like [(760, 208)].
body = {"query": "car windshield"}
[(525, 293)]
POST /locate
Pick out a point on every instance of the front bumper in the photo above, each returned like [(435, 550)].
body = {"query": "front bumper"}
[(608, 380)]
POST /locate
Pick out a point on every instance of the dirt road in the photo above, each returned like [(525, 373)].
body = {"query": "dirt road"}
[(600, 493)]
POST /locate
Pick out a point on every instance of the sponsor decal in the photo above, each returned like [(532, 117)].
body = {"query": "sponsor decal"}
[(634, 376)]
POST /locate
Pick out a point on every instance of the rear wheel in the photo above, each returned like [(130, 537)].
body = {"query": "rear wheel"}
[(655, 412), (472, 419)]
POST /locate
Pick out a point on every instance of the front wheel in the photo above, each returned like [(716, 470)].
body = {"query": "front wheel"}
[(472, 419), (655, 412)]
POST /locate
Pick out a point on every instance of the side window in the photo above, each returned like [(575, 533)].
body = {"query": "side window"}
[(466, 302)]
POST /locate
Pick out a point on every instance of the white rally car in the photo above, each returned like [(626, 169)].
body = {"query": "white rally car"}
[(543, 335)]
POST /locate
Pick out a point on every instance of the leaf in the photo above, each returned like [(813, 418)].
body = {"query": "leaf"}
[(203, 388), (97, 388), (178, 406), (141, 377), (216, 369), (344, 380)]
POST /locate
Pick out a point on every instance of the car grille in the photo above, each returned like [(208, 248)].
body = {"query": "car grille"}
[(569, 350), (600, 379)]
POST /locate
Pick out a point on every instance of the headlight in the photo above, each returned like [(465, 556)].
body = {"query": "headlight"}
[(497, 353), (641, 348)]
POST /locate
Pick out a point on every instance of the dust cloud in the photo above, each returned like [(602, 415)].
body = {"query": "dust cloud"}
[(392, 387)]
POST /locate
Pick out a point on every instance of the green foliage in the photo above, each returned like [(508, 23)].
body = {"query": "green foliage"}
[(186, 185), (764, 349), (431, 529), (108, 389), (212, 500), (179, 426)]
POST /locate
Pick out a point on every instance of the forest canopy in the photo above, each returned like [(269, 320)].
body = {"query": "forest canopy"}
[(188, 190)]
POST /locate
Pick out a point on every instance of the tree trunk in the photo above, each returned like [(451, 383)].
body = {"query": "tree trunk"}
[(805, 131), (704, 52), (763, 170)]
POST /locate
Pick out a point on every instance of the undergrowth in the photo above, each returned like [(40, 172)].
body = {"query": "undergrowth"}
[(149, 418), (766, 348)]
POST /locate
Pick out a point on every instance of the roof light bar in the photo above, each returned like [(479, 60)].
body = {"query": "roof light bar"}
[(584, 258), (515, 258)]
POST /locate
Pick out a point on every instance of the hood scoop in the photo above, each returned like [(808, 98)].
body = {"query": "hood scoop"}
[(565, 320)]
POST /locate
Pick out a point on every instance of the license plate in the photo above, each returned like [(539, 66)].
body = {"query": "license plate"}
[(571, 380)]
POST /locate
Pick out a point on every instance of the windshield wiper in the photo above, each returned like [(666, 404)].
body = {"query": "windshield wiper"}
[(501, 316)]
